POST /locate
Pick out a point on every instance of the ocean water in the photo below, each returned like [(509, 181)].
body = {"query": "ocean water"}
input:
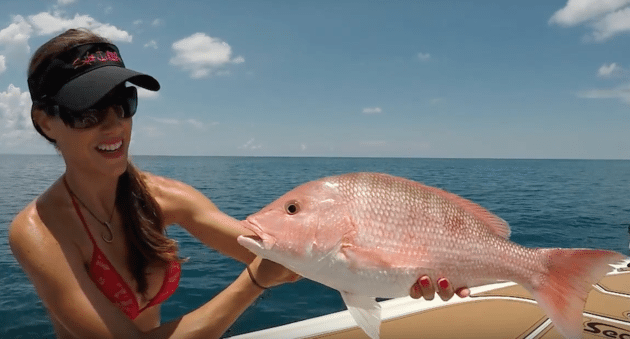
[(548, 203)]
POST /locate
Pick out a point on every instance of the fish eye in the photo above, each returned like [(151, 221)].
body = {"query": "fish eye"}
[(292, 207)]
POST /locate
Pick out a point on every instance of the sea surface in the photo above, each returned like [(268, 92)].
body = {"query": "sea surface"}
[(548, 203)]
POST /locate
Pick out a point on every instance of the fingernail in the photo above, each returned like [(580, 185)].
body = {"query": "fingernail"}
[(443, 283), (425, 282)]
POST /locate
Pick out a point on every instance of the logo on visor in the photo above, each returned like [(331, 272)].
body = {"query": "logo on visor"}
[(96, 57)]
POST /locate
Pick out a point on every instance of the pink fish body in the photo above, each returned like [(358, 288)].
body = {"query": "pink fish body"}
[(371, 235)]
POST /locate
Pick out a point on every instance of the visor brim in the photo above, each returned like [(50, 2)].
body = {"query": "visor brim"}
[(86, 90)]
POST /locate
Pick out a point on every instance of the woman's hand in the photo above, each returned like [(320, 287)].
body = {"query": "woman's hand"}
[(423, 288), (266, 273)]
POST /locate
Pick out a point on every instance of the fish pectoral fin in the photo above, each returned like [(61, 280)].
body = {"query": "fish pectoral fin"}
[(358, 257), (365, 311)]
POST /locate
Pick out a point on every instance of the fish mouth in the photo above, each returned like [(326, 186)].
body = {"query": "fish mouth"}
[(260, 239)]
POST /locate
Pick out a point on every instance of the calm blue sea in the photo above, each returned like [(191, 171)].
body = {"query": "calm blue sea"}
[(549, 203)]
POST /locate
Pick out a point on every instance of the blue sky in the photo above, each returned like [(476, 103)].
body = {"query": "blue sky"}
[(488, 79)]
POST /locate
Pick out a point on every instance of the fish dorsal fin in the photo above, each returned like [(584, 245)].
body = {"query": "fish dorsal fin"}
[(365, 311), (497, 225)]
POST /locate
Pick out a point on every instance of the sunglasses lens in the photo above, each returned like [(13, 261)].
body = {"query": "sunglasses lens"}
[(89, 118), (130, 102), (125, 102)]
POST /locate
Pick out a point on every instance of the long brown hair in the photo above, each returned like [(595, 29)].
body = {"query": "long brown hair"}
[(144, 226), (141, 215)]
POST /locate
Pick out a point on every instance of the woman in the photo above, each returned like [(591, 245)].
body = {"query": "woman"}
[(93, 244)]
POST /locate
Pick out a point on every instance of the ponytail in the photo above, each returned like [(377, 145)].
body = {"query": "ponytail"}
[(144, 227)]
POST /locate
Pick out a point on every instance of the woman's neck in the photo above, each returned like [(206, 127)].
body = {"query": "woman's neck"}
[(97, 192)]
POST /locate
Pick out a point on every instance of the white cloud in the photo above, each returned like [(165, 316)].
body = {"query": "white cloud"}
[(46, 23), (157, 22), (112, 33), (372, 110), (146, 94), (167, 121), (15, 119), (606, 18), (184, 122), (238, 60), (606, 71), (578, 11), (151, 44), (424, 56), (250, 145), (202, 55), (14, 38), (622, 93), (195, 123), (65, 2), (611, 25), (3, 65)]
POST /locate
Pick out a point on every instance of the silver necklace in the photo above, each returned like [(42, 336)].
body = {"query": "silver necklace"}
[(105, 223)]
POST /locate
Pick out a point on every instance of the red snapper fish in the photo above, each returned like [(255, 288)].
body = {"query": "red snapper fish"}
[(371, 235)]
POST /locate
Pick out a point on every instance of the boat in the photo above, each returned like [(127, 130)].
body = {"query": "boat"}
[(500, 310)]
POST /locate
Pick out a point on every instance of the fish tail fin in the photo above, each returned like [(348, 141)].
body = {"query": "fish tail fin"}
[(561, 290)]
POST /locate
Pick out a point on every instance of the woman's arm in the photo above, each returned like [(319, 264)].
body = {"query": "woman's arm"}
[(184, 205), (219, 313)]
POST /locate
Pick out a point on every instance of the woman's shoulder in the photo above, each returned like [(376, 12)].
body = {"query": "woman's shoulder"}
[(163, 187), (29, 237), (42, 224), (175, 198), (28, 223), (27, 219)]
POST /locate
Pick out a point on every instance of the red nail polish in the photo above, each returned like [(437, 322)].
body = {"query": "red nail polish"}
[(443, 283), (425, 282)]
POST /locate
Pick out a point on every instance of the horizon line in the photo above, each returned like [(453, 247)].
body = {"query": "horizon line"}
[(333, 156)]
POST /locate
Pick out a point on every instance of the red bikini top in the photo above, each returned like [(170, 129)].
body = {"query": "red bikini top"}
[(114, 287)]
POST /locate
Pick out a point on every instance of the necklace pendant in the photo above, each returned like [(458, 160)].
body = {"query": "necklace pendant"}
[(111, 234)]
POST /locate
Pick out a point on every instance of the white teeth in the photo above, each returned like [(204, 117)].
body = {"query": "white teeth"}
[(109, 147)]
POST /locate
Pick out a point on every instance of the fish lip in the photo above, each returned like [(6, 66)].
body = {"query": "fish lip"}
[(263, 240), (251, 225)]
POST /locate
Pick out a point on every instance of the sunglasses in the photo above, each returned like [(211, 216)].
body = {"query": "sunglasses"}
[(124, 101)]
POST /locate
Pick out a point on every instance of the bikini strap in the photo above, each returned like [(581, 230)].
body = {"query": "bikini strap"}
[(78, 209)]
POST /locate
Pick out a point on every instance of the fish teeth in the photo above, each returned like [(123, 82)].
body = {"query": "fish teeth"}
[(109, 147)]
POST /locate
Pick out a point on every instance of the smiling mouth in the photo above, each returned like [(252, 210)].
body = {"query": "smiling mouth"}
[(110, 148)]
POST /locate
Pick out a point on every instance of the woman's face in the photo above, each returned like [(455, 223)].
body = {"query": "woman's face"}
[(102, 149)]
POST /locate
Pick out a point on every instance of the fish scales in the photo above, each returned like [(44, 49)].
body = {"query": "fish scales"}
[(372, 235), (405, 208)]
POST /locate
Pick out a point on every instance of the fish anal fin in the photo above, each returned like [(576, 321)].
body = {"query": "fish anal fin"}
[(498, 226), (365, 311)]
